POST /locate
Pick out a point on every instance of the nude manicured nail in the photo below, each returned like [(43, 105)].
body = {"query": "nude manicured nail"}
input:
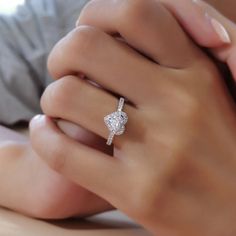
[(37, 117), (217, 26), (220, 30), (36, 120)]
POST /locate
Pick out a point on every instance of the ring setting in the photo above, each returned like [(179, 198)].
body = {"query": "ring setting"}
[(116, 122)]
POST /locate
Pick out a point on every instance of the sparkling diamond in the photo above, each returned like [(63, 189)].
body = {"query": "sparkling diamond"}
[(116, 122)]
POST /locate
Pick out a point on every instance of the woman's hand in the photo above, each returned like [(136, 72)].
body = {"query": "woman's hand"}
[(199, 19), (30, 187), (174, 168)]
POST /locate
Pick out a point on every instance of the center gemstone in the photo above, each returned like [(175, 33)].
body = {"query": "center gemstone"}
[(116, 122)]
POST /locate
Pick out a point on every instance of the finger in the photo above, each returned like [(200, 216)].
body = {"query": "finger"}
[(194, 19), (208, 27), (85, 166), (101, 58), (84, 136), (76, 100), (145, 25)]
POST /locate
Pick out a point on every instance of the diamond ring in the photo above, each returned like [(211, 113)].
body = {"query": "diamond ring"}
[(116, 122)]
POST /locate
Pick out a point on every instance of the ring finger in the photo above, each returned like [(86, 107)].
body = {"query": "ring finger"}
[(78, 101), (110, 63)]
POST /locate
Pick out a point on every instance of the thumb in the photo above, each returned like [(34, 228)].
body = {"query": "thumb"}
[(208, 28)]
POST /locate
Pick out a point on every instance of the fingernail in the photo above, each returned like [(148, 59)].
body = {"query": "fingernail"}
[(35, 120), (220, 30), (217, 26)]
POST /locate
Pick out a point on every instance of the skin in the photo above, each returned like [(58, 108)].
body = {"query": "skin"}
[(18, 152), (227, 7), (36, 180), (177, 157)]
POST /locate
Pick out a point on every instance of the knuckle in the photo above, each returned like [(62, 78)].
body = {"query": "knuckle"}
[(133, 12), (87, 11), (56, 96), (52, 60), (83, 40), (57, 57)]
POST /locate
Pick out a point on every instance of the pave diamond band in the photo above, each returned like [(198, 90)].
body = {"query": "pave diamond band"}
[(116, 121)]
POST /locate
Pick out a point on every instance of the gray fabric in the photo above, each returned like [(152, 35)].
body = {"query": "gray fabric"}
[(26, 38)]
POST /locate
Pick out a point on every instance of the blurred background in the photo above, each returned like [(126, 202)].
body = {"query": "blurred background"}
[(29, 29), (9, 6)]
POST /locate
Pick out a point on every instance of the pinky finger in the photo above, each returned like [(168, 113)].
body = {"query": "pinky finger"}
[(90, 168)]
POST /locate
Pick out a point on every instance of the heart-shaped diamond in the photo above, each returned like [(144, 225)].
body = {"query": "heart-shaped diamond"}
[(116, 122)]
